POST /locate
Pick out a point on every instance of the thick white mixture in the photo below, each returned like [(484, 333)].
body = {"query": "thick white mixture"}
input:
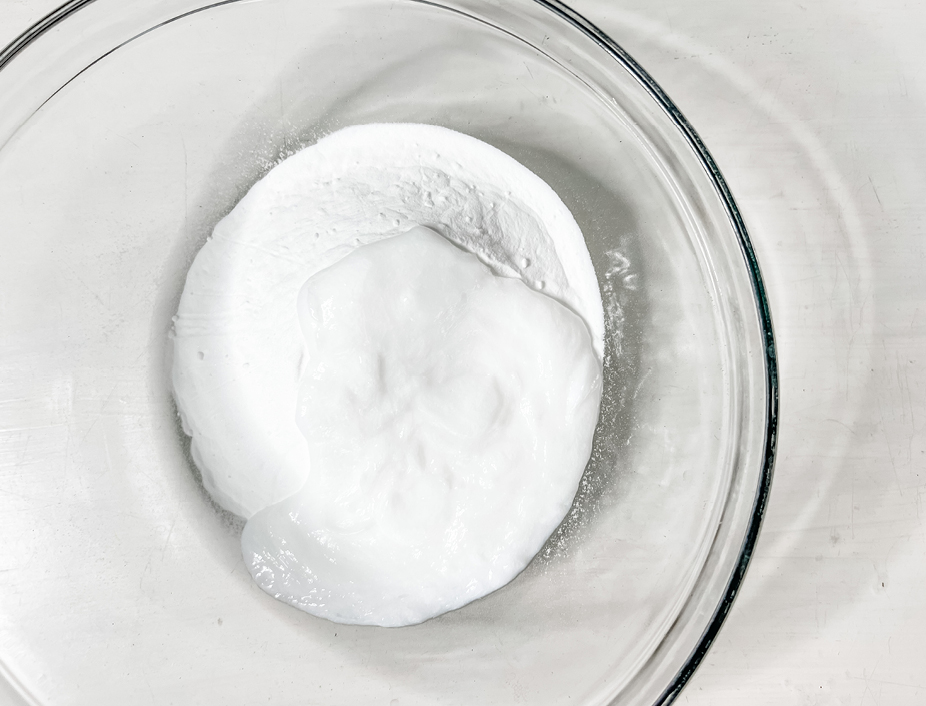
[(413, 451)]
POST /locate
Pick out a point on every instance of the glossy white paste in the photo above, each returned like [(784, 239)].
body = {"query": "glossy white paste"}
[(331, 515)]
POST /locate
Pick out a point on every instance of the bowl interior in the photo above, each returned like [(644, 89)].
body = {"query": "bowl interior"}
[(135, 129)]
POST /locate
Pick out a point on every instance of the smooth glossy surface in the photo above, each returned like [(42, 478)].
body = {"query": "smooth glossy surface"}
[(449, 415), (166, 132)]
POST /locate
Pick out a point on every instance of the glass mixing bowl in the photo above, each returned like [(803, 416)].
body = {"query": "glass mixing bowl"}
[(128, 130)]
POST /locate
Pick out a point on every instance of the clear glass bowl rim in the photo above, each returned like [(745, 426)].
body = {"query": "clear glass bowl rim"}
[(763, 312)]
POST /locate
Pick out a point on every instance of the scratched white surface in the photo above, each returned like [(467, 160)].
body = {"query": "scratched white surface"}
[(816, 113)]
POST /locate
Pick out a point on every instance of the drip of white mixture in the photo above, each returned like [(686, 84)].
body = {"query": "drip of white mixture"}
[(371, 376)]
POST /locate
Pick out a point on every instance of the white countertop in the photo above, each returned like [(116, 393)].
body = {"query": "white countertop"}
[(816, 113)]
